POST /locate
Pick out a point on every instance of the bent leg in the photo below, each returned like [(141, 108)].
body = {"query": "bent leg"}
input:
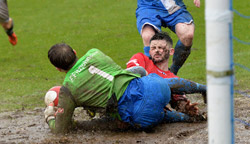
[(185, 33), (142, 104), (147, 33), (180, 85), (148, 22), (7, 22), (8, 26)]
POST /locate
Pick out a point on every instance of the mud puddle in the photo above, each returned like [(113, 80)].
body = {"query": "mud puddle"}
[(30, 127)]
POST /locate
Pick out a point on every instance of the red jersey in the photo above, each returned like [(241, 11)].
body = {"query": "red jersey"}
[(140, 59)]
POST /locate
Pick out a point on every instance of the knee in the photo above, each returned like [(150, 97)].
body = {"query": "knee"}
[(185, 33), (187, 38), (147, 33), (146, 36)]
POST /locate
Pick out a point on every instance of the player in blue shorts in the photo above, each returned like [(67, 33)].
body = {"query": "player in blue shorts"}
[(153, 14)]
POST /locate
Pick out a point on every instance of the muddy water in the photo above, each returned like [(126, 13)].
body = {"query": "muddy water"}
[(30, 127)]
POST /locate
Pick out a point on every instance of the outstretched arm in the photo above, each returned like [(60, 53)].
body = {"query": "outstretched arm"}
[(49, 115), (60, 120), (180, 85)]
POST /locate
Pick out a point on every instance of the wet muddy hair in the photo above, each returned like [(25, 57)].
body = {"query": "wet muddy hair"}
[(162, 36), (62, 56)]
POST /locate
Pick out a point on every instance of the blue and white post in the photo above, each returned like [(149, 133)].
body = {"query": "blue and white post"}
[(219, 56)]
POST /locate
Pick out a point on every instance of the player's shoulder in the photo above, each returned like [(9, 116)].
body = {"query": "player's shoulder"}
[(93, 51), (139, 54)]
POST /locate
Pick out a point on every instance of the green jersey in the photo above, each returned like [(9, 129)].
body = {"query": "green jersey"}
[(94, 78), (91, 82)]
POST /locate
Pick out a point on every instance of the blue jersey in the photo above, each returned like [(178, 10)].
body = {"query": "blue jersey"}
[(166, 5)]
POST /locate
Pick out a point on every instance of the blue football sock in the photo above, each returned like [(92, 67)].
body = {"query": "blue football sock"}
[(180, 85), (174, 116), (180, 55), (146, 50)]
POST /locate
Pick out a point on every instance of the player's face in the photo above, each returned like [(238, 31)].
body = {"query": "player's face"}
[(159, 51)]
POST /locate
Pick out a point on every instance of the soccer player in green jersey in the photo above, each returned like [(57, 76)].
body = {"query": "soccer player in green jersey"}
[(96, 82)]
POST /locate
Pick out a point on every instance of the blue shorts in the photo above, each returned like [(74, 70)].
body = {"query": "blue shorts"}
[(161, 18), (143, 101)]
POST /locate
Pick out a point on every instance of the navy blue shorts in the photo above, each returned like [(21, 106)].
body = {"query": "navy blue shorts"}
[(143, 101)]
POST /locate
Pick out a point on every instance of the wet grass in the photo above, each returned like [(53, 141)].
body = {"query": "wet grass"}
[(109, 25)]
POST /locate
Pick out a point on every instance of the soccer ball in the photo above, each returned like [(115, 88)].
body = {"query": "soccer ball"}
[(52, 96)]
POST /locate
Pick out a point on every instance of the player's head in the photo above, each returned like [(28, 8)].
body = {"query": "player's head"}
[(163, 36), (161, 47), (62, 56), (52, 95)]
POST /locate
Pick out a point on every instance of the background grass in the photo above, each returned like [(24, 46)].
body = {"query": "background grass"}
[(110, 25)]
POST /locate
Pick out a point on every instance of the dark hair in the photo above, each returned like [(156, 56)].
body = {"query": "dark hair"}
[(162, 36), (62, 56)]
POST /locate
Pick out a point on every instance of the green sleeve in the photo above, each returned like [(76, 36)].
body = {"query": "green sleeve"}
[(51, 124)]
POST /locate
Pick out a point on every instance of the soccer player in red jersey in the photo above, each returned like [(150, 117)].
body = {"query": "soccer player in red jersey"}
[(160, 50)]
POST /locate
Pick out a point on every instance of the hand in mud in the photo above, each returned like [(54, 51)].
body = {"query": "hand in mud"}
[(49, 112), (121, 124), (191, 109)]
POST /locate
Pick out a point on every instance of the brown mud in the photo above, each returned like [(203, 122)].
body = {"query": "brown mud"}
[(30, 127)]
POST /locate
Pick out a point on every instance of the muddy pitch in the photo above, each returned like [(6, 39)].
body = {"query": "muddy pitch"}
[(30, 127)]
